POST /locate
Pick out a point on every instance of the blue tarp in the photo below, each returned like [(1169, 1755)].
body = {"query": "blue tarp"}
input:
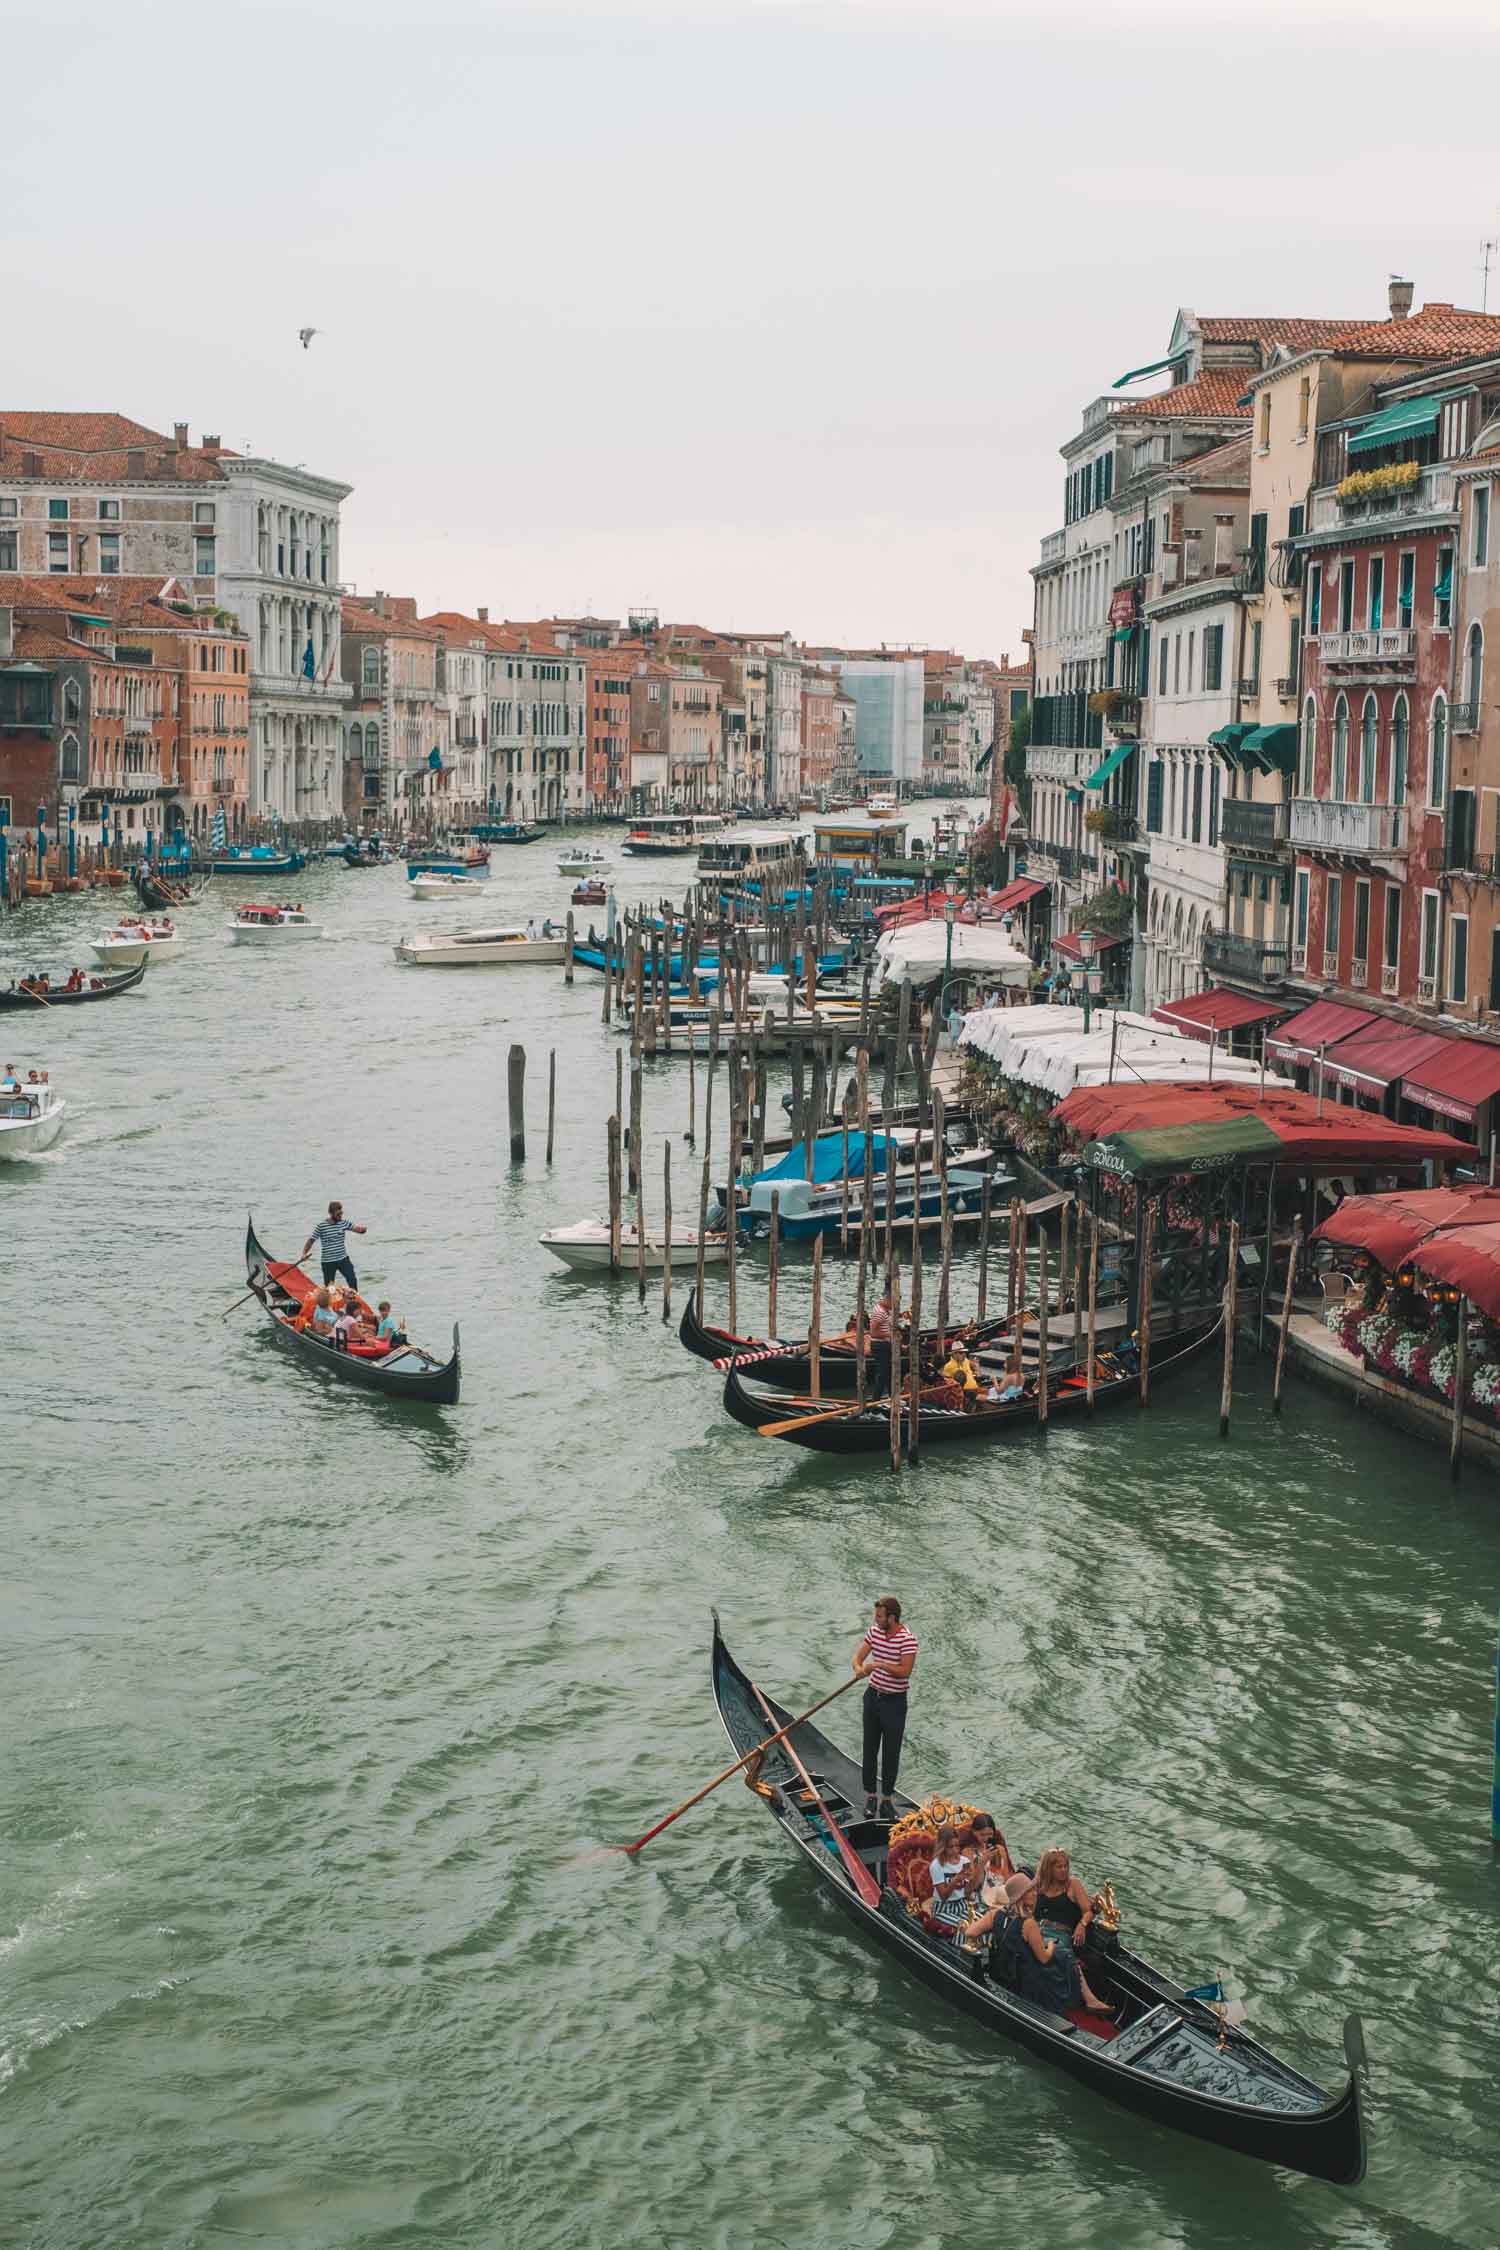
[(828, 1159)]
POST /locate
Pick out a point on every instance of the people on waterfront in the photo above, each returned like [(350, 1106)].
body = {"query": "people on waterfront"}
[(885, 1657), (331, 1236)]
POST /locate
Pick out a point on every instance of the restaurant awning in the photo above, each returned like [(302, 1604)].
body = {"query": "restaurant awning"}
[(1325, 1022), (1019, 891), (1147, 1131), (1068, 943), (1456, 1082), (1204, 1012), (1466, 1258), (1392, 1226), (1111, 764), (1274, 747), (1412, 418), (1372, 1059)]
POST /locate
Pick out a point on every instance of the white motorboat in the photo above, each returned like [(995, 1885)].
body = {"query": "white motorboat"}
[(585, 1247), (438, 885), (31, 1116), (494, 947), (272, 925), (580, 860), (129, 942)]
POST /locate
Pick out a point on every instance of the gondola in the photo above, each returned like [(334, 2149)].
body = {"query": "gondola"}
[(257, 860), (97, 988), (408, 1372), (828, 1428), (162, 892), (1167, 2056), (787, 1366)]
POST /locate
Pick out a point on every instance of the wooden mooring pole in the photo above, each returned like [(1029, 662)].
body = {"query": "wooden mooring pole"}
[(1231, 1313), (515, 1102), (1286, 1315), (551, 1098)]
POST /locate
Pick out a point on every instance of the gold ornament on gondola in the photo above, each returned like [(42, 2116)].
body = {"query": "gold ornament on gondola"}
[(1105, 1907)]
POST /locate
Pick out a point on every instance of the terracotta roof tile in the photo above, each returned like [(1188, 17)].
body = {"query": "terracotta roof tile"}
[(1221, 464), (1216, 392), (1275, 328), (356, 618), (94, 449), (1436, 332)]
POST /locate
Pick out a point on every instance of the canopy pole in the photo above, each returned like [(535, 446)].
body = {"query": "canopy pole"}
[(1144, 1294), (1286, 1314), (1460, 1386), (1231, 1308)]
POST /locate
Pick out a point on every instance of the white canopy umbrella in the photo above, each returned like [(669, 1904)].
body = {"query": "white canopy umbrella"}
[(919, 954), (1047, 1048)]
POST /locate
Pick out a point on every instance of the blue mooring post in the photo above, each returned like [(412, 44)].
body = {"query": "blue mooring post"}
[(72, 842), (4, 866)]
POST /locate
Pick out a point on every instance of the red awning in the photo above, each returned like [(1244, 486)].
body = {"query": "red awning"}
[(1376, 1057), (1068, 943), (1321, 1024), (1342, 1139), (1466, 1258), (1018, 892), (1391, 1227), (1456, 1082), (1203, 1012)]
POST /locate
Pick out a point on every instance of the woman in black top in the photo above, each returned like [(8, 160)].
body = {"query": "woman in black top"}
[(1062, 1902)]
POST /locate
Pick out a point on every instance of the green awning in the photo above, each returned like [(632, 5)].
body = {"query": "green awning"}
[(1124, 632), (1155, 1151), (1230, 738), (1413, 418), (1075, 796), (1274, 747), (1112, 764), (1443, 590), (1154, 367)]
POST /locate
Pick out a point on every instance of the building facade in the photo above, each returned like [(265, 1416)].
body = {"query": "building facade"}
[(399, 751)]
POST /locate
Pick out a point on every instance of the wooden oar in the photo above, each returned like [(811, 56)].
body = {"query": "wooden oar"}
[(864, 1882), (729, 1772), (278, 1265), (830, 1414), (39, 997)]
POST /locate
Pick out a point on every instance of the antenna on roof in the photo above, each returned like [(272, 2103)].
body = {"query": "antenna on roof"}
[(1487, 250)]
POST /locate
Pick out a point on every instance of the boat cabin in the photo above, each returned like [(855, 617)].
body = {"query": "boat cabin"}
[(858, 844), (671, 832), (745, 851)]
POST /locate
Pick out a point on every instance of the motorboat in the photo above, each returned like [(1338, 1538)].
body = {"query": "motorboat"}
[(507, 945), (588, 893), (258, 859), (580, 859), (438, 885), (584, 1247), (272, 925), (131, 941), (468, 859), (31, 1115)]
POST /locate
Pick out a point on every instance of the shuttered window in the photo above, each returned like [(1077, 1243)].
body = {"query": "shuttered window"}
[(1153, 797)]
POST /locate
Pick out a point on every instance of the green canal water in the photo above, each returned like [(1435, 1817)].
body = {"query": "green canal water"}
[(312, 1706)]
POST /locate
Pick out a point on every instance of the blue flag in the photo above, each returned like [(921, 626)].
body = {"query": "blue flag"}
[(309, 665), (435, 761)]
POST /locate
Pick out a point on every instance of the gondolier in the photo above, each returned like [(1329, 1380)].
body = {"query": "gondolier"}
[(330, 1235), (885, 1658)]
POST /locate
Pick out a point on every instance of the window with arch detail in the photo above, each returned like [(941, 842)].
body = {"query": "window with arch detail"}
[(72, 702), (70, 767), (369, 667), (1400, 749), (1437, 761), (1369, 737), (1473, 674), (1340, 787), (1309, 747)]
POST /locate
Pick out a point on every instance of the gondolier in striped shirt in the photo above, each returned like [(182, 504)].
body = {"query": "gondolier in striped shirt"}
[(885, 1658), (331, 1235)]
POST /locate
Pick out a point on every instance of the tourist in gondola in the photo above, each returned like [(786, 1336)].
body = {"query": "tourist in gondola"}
[(952, 1870), (879, 1329), (885, 1658), (1046, 1968), (1062, 1902), (388, 1328), (331, 1236)]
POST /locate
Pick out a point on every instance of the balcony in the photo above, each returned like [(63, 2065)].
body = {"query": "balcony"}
[(1432, 493), (1356, 831), (1055, 765), (1053, 547), (1256, 961), (1250, 570), (1111, 824), (1066, 722), (1258, 827), (1381, 644), (1463, 718), (1068, 862), (1286, 687), (1459, 859)]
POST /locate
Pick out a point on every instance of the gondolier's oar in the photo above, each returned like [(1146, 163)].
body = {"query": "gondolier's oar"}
[(739, 1764), (277, 1265), (863, 1881), (830, 1414)]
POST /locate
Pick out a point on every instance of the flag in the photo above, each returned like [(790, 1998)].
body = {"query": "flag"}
[(220, 834), (435, 760), (1217, 1996), (309, 661)]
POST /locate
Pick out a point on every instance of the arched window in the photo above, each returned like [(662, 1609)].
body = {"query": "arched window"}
[(1368, 734), (72, 703), (1400, 745), (1340, 789), (369, 668), (1437, 760), (71, 765), (262, 539), (1474, 672), (1309, 747)]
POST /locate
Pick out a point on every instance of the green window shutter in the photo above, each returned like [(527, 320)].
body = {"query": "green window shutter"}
[(1153, 798)]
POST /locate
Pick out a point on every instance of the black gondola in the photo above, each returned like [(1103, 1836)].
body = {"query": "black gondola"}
[(55, 996), (826, 1428), (788, 1366), (408, 1372), (1168, 2056)]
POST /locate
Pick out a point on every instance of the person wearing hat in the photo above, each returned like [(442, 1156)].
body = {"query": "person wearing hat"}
[(1045, 1968)]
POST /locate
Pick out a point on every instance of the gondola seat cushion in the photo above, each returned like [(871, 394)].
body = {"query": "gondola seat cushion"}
[(909, 1867)]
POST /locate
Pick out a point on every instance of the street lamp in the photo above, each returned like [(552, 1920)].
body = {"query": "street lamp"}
[(950, 916), (1088, 976)]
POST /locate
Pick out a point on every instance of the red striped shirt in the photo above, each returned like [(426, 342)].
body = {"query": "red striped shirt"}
[(888, 1649)]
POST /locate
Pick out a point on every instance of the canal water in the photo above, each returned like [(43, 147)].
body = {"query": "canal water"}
[(317, 1712)]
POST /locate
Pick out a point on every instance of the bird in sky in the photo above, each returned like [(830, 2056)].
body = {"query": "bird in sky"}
[(306, 335)]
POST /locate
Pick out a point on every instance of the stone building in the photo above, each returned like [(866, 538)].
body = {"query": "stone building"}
[(398, 722)]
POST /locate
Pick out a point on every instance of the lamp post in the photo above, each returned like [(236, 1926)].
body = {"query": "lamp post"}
[(950, 916), (1087, 974)]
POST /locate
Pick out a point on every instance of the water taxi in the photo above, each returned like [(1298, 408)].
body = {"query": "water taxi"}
[(31, 1115), (129, 942), (272, 925), (671, 834), (502, 947)]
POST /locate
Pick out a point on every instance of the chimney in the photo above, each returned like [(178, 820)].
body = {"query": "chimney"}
[(378, 605), (1223, 543), (135, 462), (1400, 294), (483, 616), (180, 436), (1192, 551), (210, 444), (31, 464)]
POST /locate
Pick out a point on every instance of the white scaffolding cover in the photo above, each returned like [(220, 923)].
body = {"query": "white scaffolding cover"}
[(1045, 1048)]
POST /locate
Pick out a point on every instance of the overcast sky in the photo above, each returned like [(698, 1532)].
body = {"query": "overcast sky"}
[(764, 314)]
